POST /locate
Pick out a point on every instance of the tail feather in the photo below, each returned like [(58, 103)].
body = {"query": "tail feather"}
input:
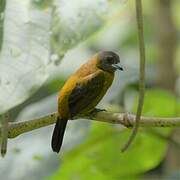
[(58, 134)]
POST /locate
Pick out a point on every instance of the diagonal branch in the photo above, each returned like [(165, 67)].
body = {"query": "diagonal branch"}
[(127, 120)]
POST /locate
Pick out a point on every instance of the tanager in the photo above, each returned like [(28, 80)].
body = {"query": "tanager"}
[(83, 91)]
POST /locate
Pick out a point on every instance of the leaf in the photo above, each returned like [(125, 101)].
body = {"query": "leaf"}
[(55, 84), (100, 155), (24, 56), (35, 35), (159, 103), (74, 21)]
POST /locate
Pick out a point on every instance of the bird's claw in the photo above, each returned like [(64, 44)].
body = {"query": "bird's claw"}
[(95, 111)]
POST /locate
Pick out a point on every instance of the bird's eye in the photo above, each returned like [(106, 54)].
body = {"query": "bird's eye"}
[(109, 60)]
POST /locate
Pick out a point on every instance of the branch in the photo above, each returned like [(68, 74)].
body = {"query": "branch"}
[(4, 133), (127, 120), (139, 19)]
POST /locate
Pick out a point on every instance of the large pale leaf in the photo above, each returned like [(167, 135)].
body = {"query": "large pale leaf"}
[(25, 52), (25, 38), (75, 20)]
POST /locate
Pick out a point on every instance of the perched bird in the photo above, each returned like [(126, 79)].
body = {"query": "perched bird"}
[(83, 91)]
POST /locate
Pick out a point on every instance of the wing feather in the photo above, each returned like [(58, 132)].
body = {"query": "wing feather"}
[(85, 92)]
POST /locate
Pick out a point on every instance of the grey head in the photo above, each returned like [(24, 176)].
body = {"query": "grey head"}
[(108, 61)]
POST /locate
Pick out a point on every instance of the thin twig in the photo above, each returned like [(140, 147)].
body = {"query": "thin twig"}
[(4, 133), (139, 17), (17, 128)]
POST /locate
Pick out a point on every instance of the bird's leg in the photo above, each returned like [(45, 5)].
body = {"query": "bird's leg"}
[(94, 112)]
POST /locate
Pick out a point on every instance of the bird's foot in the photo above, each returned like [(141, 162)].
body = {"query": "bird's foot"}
[(95, 111)]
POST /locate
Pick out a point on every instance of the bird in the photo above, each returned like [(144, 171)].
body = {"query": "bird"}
[(83, 91)]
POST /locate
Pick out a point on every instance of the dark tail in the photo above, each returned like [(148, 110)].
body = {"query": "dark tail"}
[(58, 134)]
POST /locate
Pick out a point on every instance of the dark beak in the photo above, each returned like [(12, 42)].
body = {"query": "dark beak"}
[(117, 67)]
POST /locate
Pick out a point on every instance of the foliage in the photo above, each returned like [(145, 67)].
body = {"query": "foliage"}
[(100, 156), (32, 43)]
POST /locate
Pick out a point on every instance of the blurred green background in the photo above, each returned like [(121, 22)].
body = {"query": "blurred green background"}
[(77, 30)]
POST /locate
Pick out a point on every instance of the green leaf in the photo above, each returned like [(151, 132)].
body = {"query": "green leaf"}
[(159, 103), (100, 156), (55, 84)]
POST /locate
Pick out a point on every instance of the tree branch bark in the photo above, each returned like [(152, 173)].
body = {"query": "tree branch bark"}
[(127, 120)]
